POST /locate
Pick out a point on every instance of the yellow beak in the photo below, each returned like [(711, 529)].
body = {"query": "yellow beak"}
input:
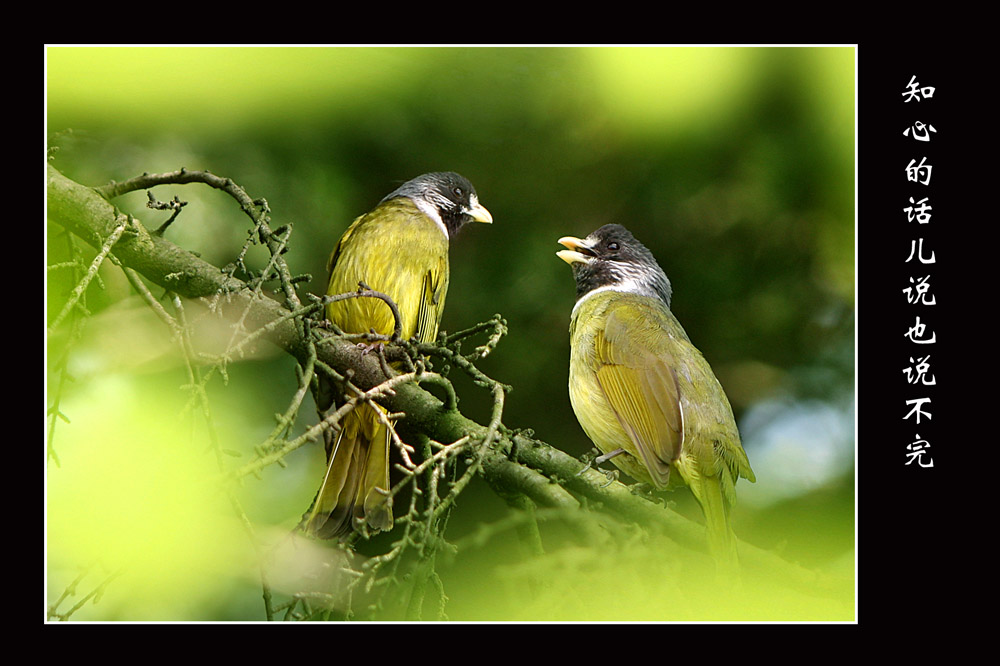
[(573, 255), (480, 214)]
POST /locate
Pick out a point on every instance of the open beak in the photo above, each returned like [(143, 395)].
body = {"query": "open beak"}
[(577, 251)]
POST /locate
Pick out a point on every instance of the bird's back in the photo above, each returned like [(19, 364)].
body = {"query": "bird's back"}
[(403, 255)]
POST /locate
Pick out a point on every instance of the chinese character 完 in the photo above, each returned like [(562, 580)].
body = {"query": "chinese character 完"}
[(917, 450)]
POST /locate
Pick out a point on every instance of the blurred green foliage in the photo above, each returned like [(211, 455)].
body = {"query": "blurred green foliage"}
[(735, 166)]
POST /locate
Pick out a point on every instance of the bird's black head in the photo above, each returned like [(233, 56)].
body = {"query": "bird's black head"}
[(445, 196), (612, 257)]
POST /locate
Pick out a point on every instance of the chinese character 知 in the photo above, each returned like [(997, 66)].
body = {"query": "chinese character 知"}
[(915, 93)]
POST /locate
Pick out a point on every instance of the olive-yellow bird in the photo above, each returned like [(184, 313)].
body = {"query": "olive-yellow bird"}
[(400, 248), (641, 391)]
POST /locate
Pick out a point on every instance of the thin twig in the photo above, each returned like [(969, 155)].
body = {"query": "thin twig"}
[(77, 292), (364, 291)]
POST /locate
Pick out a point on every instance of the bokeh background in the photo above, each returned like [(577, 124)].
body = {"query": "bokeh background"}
[(735, 166)]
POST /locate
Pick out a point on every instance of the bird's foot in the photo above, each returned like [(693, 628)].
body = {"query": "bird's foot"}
[(645, 490), (611, 475), (594, 460), (588, 460), (369, 347)]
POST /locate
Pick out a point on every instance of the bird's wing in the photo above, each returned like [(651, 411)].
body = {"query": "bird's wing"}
[(331, 263), (641, 386), (434, 290), (398, 251)]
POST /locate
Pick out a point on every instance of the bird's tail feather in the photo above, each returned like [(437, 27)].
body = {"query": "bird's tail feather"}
[(372, 502), (356, 481), (721, 539)]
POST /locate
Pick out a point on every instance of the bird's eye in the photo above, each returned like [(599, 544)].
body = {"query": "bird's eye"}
[(613, 246), (458, 192)]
